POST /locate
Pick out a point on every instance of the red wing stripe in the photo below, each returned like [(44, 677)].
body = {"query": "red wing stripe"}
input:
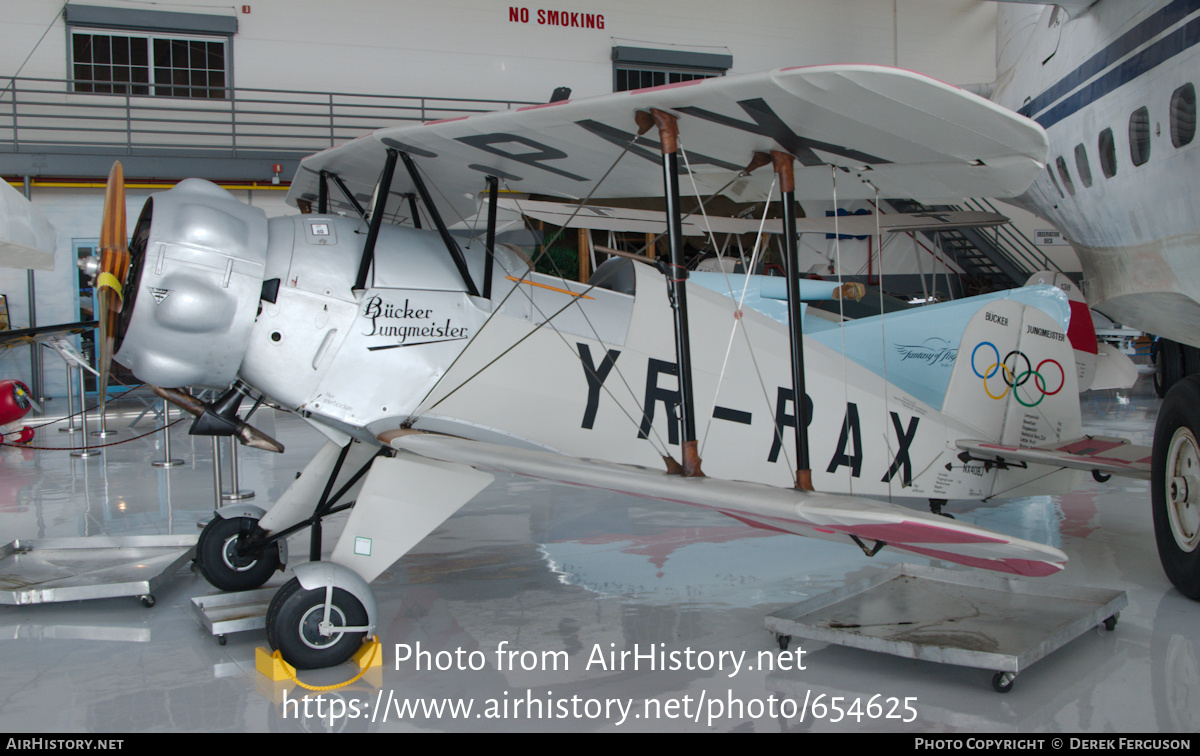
[(1087, 447), (1026, 567), (915, 532)]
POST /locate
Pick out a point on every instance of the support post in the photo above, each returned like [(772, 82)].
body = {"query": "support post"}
[(493, 185), (323, 193), (452, 247), (86, 451), (235, 492), (167, 460), (349, 195), (71, 427), (668, 134), (583, 239), (785, 169), (381, 197), (36, 384), (217, 502), (412, 210)]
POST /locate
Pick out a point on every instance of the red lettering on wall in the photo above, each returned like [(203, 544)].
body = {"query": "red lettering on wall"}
[(557, 18)]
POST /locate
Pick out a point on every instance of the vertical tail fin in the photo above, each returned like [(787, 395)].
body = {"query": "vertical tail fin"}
[(1014, 384)]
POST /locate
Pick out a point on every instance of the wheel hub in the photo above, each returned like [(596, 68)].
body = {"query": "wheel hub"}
[(315, 632), (1183, 477), (233, 559)]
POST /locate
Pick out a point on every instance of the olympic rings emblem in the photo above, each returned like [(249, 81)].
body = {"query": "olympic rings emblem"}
[(1008, 370)]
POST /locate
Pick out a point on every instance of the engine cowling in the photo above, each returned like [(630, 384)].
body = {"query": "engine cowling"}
[(197, 261)]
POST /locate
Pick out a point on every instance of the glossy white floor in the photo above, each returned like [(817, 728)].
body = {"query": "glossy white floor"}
[(528, 567)]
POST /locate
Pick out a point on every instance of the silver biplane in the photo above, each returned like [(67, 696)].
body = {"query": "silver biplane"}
[(431, 359)]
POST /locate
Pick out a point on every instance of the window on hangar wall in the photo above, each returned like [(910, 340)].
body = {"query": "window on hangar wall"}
[(149, 53), (641, 67)]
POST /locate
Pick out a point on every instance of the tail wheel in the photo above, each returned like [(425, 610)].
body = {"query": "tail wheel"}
[(224, 565), (1175, 486), (298, 629)]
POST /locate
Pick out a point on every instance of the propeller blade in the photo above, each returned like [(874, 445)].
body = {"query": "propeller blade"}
[(247, 434), (109, 282)]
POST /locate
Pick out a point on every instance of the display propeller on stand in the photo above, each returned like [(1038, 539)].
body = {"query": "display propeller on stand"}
[(108, 275)]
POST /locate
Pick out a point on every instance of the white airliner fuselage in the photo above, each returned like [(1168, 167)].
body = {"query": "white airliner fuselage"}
[(1114, 87)]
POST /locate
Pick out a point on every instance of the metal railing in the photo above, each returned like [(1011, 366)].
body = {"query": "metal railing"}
[(1011, 242), (36, 114)]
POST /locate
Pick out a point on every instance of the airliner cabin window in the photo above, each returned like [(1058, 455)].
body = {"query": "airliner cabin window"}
[(1139, 136), (1065, 175), (1082, 166), (1054, 181), (1183, 115), (1108, 153)]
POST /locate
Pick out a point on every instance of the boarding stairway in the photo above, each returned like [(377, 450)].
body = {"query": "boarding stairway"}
[(992, 259)]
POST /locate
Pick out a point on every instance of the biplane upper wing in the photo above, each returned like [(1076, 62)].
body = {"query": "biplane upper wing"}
[(826, 516), (1104, 454), (904, 133), (636, 220)]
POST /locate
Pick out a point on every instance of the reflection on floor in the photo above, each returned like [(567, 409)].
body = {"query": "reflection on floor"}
[(563, 578)]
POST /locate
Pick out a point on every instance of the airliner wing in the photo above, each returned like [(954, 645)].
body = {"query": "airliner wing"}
[(869, 127), (1103, 454), (828, 516)]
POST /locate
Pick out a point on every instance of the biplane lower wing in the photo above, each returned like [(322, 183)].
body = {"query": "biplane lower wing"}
[(1104, 454), (806, 513)]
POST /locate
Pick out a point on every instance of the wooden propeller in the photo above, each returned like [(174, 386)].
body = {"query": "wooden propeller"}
[(109, 282)]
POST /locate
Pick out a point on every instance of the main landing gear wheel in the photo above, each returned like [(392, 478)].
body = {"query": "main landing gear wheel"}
[(221, 564), (1168, 360), (295, 622), (1175, 486)]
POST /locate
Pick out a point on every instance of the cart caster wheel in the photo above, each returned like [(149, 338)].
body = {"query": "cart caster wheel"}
[(1002, 682), (1100, 477), (783, 641), (222, 640), (147, 600), (1110, 624)]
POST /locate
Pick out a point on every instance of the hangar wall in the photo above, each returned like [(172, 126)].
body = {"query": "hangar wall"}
[(475, 48), (483, 49)]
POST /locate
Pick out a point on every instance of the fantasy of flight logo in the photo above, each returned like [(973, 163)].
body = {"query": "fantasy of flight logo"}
[(934, 351)]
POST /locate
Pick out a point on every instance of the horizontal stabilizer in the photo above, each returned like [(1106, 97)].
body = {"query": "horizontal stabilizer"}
[(1104, 454), (819, 515)]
